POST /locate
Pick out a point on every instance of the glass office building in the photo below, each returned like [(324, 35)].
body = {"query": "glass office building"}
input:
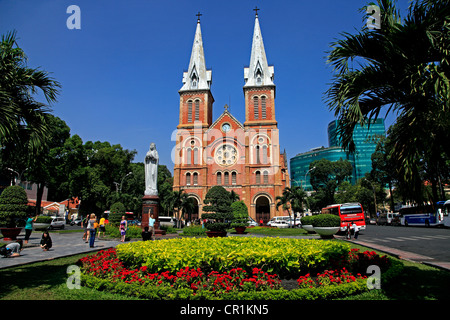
[(365, 138)]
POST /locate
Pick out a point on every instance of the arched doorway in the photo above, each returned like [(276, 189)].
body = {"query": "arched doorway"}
[(262, 206), (194, 215)]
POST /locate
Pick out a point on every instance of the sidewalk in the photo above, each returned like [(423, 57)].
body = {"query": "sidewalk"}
[(404, 255), (64, 244)]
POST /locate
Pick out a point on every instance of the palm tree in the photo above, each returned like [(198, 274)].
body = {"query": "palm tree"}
[(401, 68), (182, 204), (23, 120), (292, 198)]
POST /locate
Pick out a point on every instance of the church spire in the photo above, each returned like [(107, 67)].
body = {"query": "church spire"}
[(259, 73), (197, 77)]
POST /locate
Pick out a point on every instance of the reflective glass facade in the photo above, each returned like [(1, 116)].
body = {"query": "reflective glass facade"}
[(365, 139)]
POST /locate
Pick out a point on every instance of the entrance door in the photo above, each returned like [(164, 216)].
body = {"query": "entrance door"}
[(262, 209)]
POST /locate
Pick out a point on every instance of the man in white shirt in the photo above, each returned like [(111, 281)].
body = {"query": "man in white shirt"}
[(355, 230)]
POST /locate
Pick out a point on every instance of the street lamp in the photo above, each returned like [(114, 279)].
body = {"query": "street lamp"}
[(19, 175), (119, 186), (307, 174)]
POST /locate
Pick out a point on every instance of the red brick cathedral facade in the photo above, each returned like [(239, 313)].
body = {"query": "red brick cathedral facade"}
[(242, 157)]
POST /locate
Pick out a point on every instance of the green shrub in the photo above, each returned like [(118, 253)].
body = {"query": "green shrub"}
[(306, 220), (194, 231), (217, 209), (287, 257), (240, 214), (116, 212), (113, 231), (43, 219), (13, 206), (326, 220)]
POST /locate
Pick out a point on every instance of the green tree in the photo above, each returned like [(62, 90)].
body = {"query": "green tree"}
[(217, 209), (13, 205), (240, 214), (116, 212), (24, 120), (403, 67), (292, 198)]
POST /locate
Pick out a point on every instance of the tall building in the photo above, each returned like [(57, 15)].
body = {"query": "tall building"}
[(365, 138), (242, 157)]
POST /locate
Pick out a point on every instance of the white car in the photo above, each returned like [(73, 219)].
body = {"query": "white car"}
[(57, 222), (280, 224), (252, 223)]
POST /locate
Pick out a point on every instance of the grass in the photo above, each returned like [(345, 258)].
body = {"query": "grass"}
[(47, 281)]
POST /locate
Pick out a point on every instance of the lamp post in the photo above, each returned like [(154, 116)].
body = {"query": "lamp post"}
[(19, 175), (119, 186)]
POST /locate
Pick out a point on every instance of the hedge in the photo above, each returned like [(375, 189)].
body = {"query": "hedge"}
[(286, 257)]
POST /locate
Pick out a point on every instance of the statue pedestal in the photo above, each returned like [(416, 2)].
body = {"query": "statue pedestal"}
[(149, 207)]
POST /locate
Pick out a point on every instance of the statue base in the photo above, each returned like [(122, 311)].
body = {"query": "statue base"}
[(150, 205)]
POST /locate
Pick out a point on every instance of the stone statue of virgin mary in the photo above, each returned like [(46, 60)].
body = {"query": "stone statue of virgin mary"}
[(151, 171)]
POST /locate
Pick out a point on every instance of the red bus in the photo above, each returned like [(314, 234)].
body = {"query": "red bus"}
[(348, 212)]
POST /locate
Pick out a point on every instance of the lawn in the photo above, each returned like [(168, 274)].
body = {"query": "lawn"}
[(47, 281)]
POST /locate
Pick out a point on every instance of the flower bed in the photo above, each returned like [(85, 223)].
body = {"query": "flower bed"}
[(286, 257), (104, 270)]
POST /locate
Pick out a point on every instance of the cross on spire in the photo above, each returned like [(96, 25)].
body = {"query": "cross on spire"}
[(198, 16), (256, 11)]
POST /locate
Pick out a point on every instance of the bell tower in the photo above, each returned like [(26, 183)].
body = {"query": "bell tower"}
[(196, 99), (259, 88)]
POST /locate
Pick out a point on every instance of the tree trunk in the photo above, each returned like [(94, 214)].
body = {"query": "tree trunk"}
[(40, 192)]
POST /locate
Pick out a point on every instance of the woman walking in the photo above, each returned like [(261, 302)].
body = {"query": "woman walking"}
[(91, 228), (123, 229)]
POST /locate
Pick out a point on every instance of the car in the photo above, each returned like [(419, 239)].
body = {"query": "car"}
[(134, 222), (167, 221), (280, 224), (251, 222), (57, 223), (77, 222), (277, 219)]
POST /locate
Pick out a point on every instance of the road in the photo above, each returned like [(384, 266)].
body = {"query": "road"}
[(429, 244)]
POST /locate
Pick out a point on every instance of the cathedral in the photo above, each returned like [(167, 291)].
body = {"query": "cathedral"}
[(241, 157)]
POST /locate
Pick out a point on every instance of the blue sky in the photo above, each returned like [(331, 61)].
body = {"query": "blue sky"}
[(121, 72)]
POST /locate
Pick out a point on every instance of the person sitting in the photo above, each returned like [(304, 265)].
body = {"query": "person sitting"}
[(46, 241), (146, 234)]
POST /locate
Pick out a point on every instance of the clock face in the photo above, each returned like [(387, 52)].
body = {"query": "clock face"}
[(226, 155), (226, 127)]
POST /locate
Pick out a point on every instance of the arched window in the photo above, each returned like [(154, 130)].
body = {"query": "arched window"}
[(189, 111), (196, 156), (188, 155), (188, 179), (226, 179), (258, 177), (258, 158), (263, 107), (265, 177), (256, 107), (197, 110), (233, 178), (195, 179), (219, 178), (264, 154)]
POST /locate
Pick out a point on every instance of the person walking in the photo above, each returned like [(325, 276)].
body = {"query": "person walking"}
[(349, 231), (84, 224), (151, 226), (355, 230), (46, 241), (29, 227), (102, 228), (91, 227), (123, 229)]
